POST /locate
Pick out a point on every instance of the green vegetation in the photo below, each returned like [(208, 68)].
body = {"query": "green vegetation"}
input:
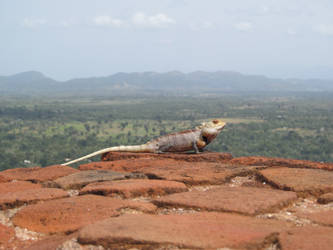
[(46, 131)]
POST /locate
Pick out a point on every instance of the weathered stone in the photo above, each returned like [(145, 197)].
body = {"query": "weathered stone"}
[(18, 173), (273, 161), (3, 179), (82, 178), (244, 200), (10, 200), (190, 157), (183, 171), (134, 188), (38, 174), (15, 186), (320, 217), (6, 236), (69, 214), (303, 181), (53, 242), (119, 165), (307, 238), (198, 230), (325, 198), (9, 239)]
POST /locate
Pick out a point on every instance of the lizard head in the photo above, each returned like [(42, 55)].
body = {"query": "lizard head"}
[(211, 129), (216, 124)]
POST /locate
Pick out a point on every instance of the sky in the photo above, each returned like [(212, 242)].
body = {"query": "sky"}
[(67, 39)]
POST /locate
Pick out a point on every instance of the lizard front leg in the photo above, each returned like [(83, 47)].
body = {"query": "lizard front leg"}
[(195, 147), (199, 145)]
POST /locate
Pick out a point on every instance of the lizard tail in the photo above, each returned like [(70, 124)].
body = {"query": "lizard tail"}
[(136, 148)]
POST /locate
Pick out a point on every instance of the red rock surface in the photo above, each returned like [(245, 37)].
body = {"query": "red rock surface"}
[(252, 208), (10, 200), (69, 214), (191, 157), (307, 238), (8, 239), (198, 230), (303, 181), (245, 200), (192, 173), (53, 242), (80, 179), (6, 235), (37, 174), (18, 173), (325, 198), (320, 217), (15, 186), (3, 179), (134, 188), (274, 161)]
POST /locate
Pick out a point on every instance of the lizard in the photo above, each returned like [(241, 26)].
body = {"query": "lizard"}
[(193, 139)]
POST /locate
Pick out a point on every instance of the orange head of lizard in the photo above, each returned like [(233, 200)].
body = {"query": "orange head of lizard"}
[(217, 124)]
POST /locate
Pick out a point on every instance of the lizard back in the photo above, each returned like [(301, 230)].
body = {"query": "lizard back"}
[(177, 142)]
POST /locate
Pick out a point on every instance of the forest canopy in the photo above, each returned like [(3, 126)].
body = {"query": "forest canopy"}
[(46, 131)]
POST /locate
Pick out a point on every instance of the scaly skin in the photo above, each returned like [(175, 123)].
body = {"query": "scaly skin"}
[(194, 139)]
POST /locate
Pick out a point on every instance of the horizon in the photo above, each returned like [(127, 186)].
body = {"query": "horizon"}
[(67, 40), (165, 72)]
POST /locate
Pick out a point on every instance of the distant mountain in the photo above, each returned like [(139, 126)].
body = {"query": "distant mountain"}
[(26, 83), (33, 82)]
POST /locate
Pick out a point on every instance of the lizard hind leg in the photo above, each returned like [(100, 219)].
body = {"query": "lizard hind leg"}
[(163, 149)]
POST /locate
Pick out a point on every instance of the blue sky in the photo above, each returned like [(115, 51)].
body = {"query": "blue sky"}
[(81, 38)]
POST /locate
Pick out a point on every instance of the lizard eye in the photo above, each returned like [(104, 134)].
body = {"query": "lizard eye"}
[(215, 121)]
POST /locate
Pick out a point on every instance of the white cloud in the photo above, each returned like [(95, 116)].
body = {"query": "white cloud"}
[(107, 21), (324, 29), (158, 20), (243, 26), (33, 22)]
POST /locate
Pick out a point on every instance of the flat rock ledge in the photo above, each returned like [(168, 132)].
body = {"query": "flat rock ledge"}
[(37, 174), (191, 231), (190, 157), (303, 181), (134, 188), (169, 201), (15, 199), (190, 173), (243, 200), (83, 178), (69, 214)]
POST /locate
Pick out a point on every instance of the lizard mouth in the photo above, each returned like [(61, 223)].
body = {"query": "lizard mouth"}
[(220, 127)]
